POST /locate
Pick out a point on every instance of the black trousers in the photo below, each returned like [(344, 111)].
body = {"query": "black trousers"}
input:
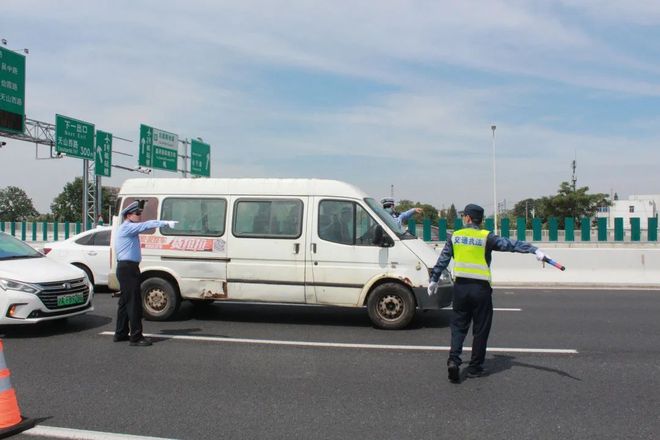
[(473, 302), (129, 310)]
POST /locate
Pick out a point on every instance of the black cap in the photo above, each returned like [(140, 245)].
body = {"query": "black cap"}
[(475, 212)]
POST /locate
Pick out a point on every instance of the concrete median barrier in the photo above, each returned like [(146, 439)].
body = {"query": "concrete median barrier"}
[(587, 265)]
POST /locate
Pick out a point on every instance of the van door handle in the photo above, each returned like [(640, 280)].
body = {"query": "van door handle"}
[(91, 253), (314, 247), (296, 248)]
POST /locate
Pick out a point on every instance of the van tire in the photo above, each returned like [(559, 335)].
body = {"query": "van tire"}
[(391, 306), (160, 300)]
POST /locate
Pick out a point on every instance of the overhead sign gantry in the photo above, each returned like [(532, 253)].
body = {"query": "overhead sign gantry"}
[(12, 91)]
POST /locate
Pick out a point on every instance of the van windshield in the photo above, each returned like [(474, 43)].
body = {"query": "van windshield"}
[(12, 249), (391, 222)]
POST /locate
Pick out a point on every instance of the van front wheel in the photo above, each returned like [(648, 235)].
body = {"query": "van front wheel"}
[(159, 299), (391, 306)]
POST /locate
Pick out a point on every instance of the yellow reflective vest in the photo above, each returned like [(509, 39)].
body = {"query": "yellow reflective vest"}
[(470, 254)]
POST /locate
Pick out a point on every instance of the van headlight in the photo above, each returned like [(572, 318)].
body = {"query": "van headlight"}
[(445, 275), (7, 284)]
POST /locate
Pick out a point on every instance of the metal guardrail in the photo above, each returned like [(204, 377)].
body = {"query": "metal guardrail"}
[(584, 231), (42, 231)]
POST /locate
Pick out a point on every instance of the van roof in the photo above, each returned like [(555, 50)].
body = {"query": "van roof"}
[(240, 186)]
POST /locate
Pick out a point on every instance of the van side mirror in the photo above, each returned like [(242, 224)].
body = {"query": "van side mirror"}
[(381, 238)]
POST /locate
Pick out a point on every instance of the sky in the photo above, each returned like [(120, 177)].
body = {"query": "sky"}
[(391, 96)]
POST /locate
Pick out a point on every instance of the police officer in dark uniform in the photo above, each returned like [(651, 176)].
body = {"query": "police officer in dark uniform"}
[(471, 249), (129, 255)]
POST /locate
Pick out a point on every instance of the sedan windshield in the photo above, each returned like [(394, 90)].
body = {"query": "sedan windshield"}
[(391, 222), (12, 248)]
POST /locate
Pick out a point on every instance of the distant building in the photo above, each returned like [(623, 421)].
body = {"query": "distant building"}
[(640, 206)]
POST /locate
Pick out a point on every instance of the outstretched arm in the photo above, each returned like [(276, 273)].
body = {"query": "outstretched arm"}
[(503, 244), (405, 216)]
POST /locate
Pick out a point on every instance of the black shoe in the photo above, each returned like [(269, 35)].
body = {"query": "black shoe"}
[(142, 342), (453, 372), (119, 338), (473, 372)]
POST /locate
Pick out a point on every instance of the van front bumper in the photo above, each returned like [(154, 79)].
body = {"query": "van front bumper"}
[(441, 299)]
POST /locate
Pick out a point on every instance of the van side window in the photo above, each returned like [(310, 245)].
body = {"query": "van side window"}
[(271, 218), (200, 217), (345, 223), (149, 212)]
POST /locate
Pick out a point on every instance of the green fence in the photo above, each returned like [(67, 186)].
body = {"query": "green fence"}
[(637, 230), (42, 231)]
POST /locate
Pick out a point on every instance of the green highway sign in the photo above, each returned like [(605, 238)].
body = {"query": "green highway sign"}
[(103, 156), (74, 137), (12, 91), (165, 159), (158, 149), (200, 158)]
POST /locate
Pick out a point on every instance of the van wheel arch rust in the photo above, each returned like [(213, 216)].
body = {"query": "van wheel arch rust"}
[(161, 297)]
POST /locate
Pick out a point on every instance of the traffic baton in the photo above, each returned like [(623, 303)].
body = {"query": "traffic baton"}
[(554, 263)]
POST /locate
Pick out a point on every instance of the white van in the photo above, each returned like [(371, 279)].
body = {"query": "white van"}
[(304, 241)]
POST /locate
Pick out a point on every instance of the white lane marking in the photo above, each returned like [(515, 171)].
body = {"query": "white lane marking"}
[(80, 434), (348, 345), (495, 309)]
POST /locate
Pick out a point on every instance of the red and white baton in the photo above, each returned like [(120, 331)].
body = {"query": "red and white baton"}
[(553, 263)]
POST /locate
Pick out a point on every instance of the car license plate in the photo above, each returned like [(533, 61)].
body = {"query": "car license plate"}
[(68, 300)]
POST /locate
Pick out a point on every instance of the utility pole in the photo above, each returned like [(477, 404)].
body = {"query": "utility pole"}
[(493, 127)]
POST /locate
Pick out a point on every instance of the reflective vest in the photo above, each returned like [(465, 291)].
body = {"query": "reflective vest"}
[(470, 254)]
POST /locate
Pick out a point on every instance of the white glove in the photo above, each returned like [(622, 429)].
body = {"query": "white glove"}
[(539, 255), (432, 286), (171, 223)]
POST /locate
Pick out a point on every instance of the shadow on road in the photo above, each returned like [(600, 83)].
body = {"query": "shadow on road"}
[(274, 314), (503, 362), (57, 327)]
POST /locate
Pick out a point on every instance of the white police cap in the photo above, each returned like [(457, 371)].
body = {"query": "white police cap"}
[(133, 207)]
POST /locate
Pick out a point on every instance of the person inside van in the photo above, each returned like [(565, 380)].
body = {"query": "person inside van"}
[(340, 227)]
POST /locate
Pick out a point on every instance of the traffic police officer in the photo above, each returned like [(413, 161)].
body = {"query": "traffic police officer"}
[(471, 248), (388, 205), (129, 255)]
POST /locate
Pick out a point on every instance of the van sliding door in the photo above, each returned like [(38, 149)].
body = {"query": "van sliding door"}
[(267, 249)]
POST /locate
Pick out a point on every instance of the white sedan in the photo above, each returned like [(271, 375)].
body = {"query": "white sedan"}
[(89, 250), (34, 288)]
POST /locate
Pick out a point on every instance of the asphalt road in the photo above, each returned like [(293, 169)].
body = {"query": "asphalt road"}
[(71, 375)]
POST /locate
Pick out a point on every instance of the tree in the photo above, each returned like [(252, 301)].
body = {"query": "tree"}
[(15, 205), (452, 215), (67, 206), (572, 203), (528, 209), (428, 211)]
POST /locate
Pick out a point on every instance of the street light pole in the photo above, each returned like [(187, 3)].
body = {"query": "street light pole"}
[(492, 127)]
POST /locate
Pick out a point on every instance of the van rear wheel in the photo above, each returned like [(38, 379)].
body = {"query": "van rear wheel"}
[(159, 299), (391, 306)]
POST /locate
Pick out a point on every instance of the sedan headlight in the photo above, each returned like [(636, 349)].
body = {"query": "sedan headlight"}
[(7, 284)]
